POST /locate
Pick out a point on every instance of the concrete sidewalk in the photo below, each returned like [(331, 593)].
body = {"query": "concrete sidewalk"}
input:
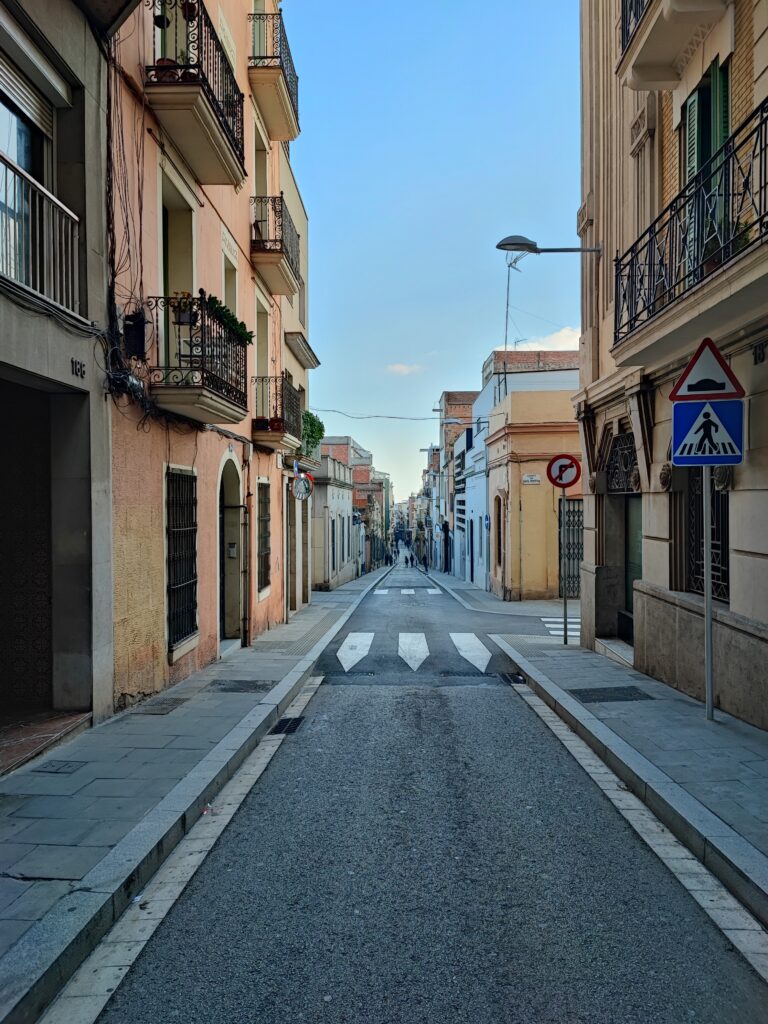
[(476, 599), (83, 828), (708, 782)]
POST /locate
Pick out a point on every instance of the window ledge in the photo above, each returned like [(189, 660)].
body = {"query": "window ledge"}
[(180, 650), (264, 594)]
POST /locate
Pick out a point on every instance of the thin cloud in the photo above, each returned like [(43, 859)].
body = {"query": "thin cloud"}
[(567, 338), (404, 369)]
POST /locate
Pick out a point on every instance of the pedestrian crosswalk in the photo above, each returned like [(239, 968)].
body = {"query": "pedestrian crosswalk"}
[(413, 649), (410, 592), (556, 626)]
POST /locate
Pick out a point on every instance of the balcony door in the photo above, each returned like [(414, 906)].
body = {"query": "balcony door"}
[(177, 270)]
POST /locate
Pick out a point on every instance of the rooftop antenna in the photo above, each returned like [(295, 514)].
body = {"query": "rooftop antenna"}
[(513, 258)]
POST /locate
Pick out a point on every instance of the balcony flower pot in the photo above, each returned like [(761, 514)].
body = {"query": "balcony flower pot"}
[(166, 69), (190, 74), (277, 424), (189, 11), (161, 21), (261, 423), (185, 317)]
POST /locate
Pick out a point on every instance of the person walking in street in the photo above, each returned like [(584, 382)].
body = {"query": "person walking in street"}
[(424, 563)]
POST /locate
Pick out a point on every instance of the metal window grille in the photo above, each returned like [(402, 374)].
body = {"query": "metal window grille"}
[(264, 558), (181, 519), (720, 539), (571, 545)]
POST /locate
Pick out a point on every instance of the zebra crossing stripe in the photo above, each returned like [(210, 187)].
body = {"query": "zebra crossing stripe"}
[(471, 649), (413, 649), (432, 591), (407, 591), (381, 591), (354, 649)]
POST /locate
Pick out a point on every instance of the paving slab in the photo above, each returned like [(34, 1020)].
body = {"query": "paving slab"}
[(707, 781), (83, 828)]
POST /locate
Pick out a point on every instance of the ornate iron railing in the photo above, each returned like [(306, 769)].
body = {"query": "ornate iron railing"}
[(632, 12), (270, 49), (278, 406), (187, 49), (201, 350), (273, 230), (571, 545), (38, 237), (722, 211)]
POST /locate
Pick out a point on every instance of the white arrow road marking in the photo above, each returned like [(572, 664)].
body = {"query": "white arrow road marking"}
[(431, 591), (354, 649), (407, 591), (412, 648), (470, 648), (381, 591)]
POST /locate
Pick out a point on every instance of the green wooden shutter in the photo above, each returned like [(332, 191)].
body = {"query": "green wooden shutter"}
[(721, 113), (692, 138)]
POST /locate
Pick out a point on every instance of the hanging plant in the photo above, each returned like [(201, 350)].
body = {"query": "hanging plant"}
[(189, 11), (224, 315), (312, 432)]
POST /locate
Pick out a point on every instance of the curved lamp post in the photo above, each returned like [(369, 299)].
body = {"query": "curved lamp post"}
[(519, 243)]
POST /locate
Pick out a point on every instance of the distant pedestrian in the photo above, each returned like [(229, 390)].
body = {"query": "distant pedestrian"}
[(424, 562), (411, 561)]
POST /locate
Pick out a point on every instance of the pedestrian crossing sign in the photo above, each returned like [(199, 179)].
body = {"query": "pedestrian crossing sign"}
[(708, 433)]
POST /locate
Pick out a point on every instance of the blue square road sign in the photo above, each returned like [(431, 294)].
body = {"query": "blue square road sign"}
[(708, 433)]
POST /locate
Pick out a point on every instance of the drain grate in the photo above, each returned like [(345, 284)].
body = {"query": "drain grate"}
[(60, 767), (240, 685), (607, 694), (161, 706), (287, 725)]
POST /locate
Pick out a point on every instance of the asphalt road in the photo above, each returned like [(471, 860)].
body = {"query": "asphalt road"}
[(423, 849)]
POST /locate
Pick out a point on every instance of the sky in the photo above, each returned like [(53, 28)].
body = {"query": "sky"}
[(428, 132)]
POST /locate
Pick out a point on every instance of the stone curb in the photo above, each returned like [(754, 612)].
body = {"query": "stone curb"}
[(509, 610), (740, 866), (34, 970)]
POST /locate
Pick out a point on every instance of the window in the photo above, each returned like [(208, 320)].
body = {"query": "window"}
[(302, 302), (333, 545), (181, 526), (720, 539), (230, 285), (264, 556), (706, 119)]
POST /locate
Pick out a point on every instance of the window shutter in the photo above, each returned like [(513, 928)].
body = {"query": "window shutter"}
[(692, 140), (721, 113), (25, 96)]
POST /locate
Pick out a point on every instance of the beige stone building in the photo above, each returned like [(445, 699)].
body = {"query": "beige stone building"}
[(675, 187)]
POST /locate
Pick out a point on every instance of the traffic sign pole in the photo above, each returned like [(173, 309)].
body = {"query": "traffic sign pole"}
[(563, 574), (709, 693)]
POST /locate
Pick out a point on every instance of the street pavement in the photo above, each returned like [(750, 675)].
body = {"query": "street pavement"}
[(423, 849)]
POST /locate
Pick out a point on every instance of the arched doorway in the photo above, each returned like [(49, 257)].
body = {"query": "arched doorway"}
[(230, 554)]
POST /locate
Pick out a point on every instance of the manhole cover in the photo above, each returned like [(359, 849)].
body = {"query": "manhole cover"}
[(240, 685), (287, 725), (60, 767), (606, 694), (163, 706)]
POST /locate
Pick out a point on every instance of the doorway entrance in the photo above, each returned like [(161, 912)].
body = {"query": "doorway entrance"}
[(230, 554), (471, 550), (633, 562)]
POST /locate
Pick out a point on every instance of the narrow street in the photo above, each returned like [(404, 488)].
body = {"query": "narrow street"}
[(423, 849)]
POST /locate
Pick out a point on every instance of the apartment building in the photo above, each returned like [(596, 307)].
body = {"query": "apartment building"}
[(675, 159), (55, 544), (455, 409), (210, 380), (371, 498), (334, 541)]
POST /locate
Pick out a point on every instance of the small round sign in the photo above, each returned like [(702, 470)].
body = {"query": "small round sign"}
[(302, 487), (564, 471)]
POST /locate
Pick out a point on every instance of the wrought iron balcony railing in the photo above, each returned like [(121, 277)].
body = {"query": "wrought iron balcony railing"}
[(278, 406), (273, 230), (187, 49), (632, 12), (270, 49), (721, 212), (38, 238), (201, 348)]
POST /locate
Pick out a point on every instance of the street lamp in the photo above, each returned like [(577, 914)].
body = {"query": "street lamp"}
[(519, 243)]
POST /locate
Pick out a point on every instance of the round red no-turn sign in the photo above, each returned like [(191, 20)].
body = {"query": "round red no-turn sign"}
[(563, 471)]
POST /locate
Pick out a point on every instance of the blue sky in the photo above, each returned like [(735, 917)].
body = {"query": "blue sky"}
[(429, 131)]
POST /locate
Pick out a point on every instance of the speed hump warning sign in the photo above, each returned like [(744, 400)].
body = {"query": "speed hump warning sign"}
[(564, 471)]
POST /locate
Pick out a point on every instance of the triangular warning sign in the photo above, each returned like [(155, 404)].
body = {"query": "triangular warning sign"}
[(707, 436), (707, 377)]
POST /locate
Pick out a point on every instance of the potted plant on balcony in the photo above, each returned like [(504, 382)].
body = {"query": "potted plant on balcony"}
[(166, 69), (224, 315), (184, 310), (277, 424), (188, 10)]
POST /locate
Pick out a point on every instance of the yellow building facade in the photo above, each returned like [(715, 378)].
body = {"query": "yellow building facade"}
[(674, 191)]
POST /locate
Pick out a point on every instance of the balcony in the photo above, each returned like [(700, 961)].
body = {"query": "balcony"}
[(193, 91), (657, 36), (204, 375), (277, 423), (700, 267), (272, 77), (38, 238), (275, 250)]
